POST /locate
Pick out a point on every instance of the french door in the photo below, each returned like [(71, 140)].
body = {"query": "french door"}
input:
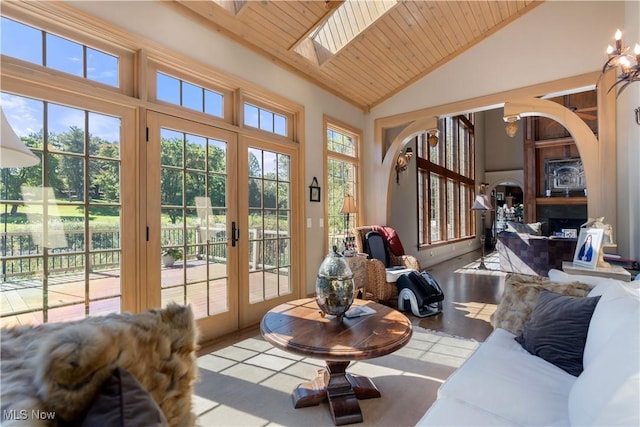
[(222, 206), (267, 208)]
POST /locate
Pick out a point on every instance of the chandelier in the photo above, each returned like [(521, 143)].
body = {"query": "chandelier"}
[(619, 57)]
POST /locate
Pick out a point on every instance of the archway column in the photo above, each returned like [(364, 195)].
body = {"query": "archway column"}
[(598, 156)]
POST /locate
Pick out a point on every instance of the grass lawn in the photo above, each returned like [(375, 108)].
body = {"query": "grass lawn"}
[(108, 216)]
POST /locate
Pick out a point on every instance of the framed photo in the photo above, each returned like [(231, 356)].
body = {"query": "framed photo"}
[(570, 233), (499, 196), (314, 191), (565, 176), (588, 247)]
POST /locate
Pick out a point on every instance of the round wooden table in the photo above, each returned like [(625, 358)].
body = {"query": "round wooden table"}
[(299, 327)]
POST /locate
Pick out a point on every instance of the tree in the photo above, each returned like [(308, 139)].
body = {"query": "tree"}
[(72, 167), (171, 182)]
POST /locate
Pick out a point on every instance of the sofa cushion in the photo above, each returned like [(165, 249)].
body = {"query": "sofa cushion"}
[(599, 283), (520, 296), (454, 412), (122, 401), (608, 391), (617, 308), (534, 228), (503, 378), (557, 329)]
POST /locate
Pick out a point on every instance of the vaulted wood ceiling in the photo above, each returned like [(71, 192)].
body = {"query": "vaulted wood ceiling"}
[(409, 40)]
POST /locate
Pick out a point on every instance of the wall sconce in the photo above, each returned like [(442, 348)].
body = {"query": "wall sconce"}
[(512, 125), (433, 136), (403, 162), (619, 57)]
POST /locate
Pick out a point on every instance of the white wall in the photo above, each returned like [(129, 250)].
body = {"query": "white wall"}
[(154, 21), (555, 40), (628, 132)]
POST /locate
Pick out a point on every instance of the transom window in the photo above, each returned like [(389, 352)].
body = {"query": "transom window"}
[(179, 92), (264, 119), (49, 50), (446, 181)]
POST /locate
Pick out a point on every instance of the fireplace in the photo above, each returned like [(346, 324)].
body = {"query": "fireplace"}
[(556, 225), (554, 218)]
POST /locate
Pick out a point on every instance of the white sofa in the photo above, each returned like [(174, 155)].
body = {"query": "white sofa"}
[(502, 384)]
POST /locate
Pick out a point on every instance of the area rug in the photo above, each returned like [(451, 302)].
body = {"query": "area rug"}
[(491, 261), (250, 383)]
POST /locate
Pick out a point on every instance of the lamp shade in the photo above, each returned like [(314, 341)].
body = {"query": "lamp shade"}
[(348, 205), (482, 203), (13, 153)]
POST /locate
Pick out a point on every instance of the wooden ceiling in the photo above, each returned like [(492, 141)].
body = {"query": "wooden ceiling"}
[(407, 42)]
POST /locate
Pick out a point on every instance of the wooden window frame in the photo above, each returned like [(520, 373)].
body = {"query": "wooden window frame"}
[(450, 130), (356, 161)]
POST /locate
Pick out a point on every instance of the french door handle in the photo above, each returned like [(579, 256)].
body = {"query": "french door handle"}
[(235, 234)]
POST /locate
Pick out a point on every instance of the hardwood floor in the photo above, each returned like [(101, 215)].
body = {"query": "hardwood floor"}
[(470, 297)]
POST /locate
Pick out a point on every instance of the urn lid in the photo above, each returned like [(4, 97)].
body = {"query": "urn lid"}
[(335, 266)]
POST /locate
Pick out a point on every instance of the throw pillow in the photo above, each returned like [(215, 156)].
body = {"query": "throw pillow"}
[(521, 295), (123, 402), (557, 330), (518, 227)]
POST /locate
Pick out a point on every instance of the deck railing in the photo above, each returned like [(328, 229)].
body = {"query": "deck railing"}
[(22, 254)]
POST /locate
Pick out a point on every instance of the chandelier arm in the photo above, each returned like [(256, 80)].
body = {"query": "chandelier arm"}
[(624, 86), (607, 64), (624, 80)]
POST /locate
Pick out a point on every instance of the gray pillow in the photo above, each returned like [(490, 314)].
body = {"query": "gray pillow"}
[(123, 402), (557, 329)]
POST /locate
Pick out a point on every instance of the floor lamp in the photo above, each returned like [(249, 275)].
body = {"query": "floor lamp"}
[(482, 204)]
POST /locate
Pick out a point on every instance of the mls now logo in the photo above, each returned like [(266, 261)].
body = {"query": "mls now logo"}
[(23, 414), (15, 414)]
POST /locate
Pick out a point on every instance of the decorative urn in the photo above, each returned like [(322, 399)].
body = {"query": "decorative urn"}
[(334, 285)]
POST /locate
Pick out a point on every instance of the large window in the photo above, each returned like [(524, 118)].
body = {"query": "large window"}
[(141, 152), (446, 182), (342, 148), (61, 219)]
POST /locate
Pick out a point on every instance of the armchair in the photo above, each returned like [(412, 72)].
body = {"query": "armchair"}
[(377, 287), (397, 256)]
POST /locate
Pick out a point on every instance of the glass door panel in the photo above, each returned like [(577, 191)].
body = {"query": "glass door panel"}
[(61, 220), (193, 190), (267, 263)]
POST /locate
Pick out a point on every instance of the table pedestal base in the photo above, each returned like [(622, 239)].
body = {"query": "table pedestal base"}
[(341, 389)]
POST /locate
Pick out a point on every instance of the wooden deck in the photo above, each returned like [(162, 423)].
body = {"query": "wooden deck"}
[(71, 297)]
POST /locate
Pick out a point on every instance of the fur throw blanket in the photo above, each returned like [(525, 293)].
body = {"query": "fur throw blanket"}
[(58, 368), (521, 296)]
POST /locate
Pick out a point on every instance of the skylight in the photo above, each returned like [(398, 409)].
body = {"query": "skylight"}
[(233, 6), (344, 25)]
